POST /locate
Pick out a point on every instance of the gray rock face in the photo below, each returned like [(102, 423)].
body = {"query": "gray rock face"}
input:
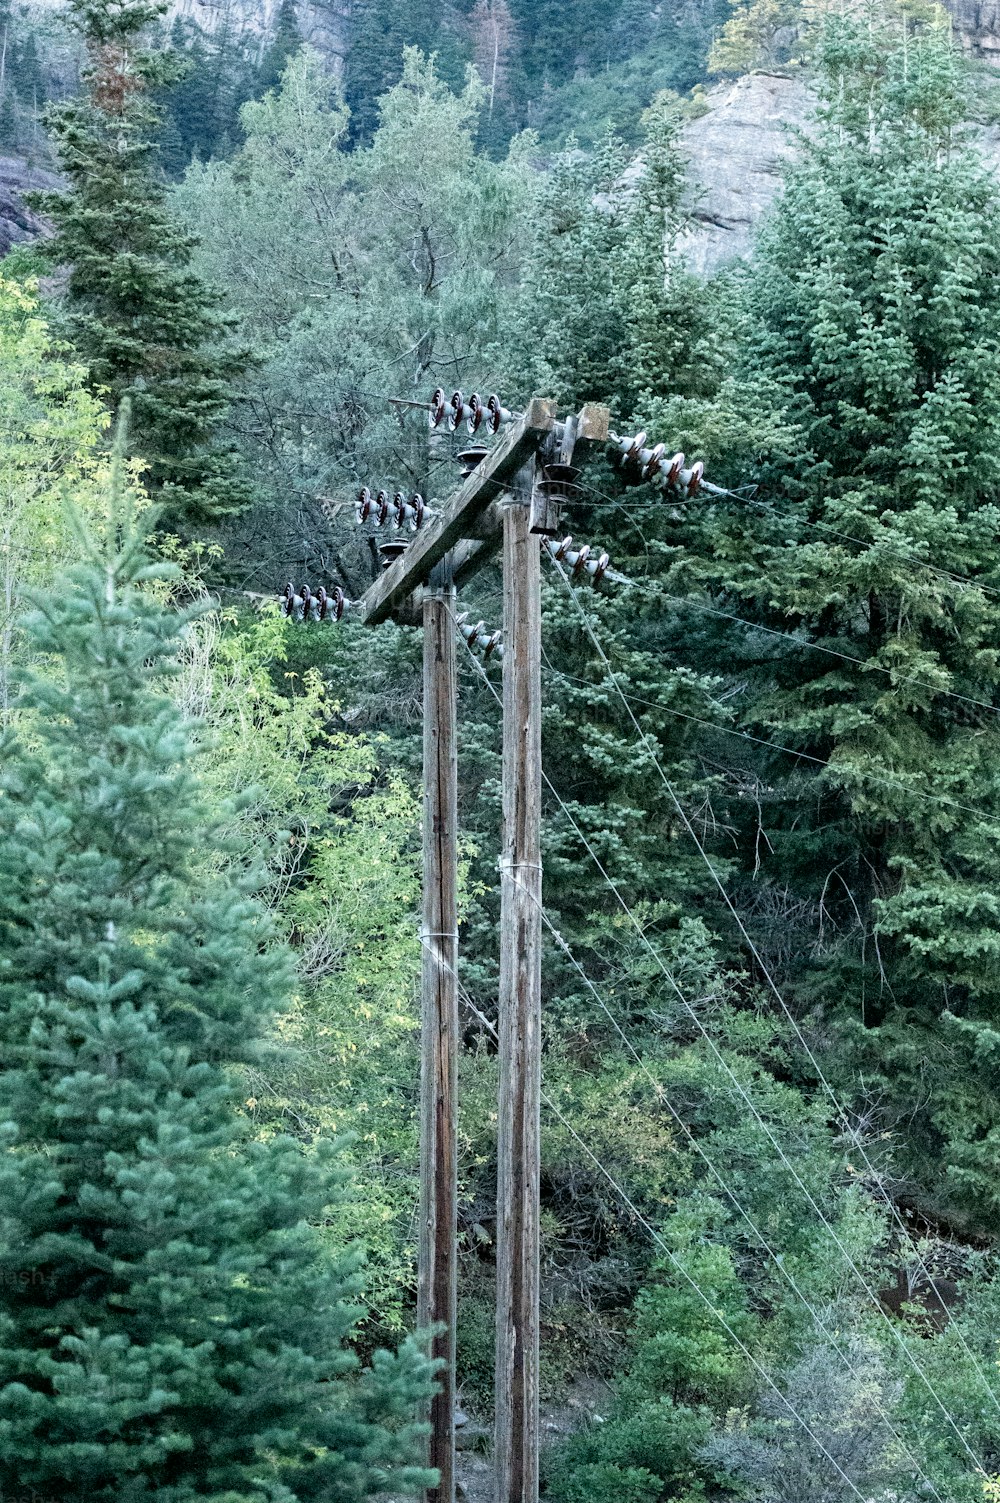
[(17, 222), (736, 152), (322, 24), (977, 25)]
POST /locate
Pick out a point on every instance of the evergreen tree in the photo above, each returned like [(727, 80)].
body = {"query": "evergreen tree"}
[(201, 109), (610, 315), (27, 72), (8, 121), (875, 335), (378, 33), (284, 44), (143, 321), (171, 1324)]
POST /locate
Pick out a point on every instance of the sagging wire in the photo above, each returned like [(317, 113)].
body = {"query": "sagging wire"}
[(846, 657), (662, 1096), (820, 1075), (660, 1242), (775, 746)]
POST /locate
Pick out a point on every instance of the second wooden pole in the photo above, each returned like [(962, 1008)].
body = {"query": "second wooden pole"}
[(437, 1259), (516, 1450)]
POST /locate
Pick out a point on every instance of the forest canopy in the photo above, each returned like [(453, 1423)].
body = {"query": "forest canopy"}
[(770, 824)]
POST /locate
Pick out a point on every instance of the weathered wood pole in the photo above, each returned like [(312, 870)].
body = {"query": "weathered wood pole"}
[(437, 1263), (516, 1451)]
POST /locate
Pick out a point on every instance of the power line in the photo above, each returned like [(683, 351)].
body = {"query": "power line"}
[(727, 1191), (745, 1095), (832, 652), (841, 1114), (678, 1266), (875, 543), (951, 574), (807, 646), (936, 798)]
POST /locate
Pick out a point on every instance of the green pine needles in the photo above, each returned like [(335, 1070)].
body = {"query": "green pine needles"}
[(874, 347), (171, 1322), (145, 323)]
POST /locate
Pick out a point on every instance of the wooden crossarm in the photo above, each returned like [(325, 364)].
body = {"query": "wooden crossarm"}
[(461, 514)]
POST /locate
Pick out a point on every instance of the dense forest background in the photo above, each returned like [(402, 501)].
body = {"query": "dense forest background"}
[(772, 827)]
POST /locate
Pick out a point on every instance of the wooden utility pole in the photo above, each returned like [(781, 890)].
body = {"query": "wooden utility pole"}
[(437, 1265), (516, 1448), (461, 539)]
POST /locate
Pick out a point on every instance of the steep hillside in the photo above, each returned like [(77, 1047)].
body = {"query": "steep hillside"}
[(736, 150)]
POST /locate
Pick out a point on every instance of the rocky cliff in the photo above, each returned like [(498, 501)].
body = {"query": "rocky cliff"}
[(321, 22), (17, 222), (736, 151), (977, 24)]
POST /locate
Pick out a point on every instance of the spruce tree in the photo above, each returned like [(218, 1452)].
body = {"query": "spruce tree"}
[(874, 332), (285, 43), (144, 322), (171, 1322)]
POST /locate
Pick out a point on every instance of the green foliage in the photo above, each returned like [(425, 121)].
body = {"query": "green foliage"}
[(356, 275), (284, 43), (611, 312), (144, 323), (873, 333), (23, 81), (652, 51), (50, 433), (221, 70), (759, 34), (845, 1455), (170, 1321), (684, 1362), (851, 377), (565, 70), (379, 35), (337, 838), (604, 1479), (200, 110)]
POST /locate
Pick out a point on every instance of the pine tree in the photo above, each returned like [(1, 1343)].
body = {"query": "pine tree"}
[(201, 109), (379, 31), (171, 1323), (875, 334), (285, 42), (143, 321)]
